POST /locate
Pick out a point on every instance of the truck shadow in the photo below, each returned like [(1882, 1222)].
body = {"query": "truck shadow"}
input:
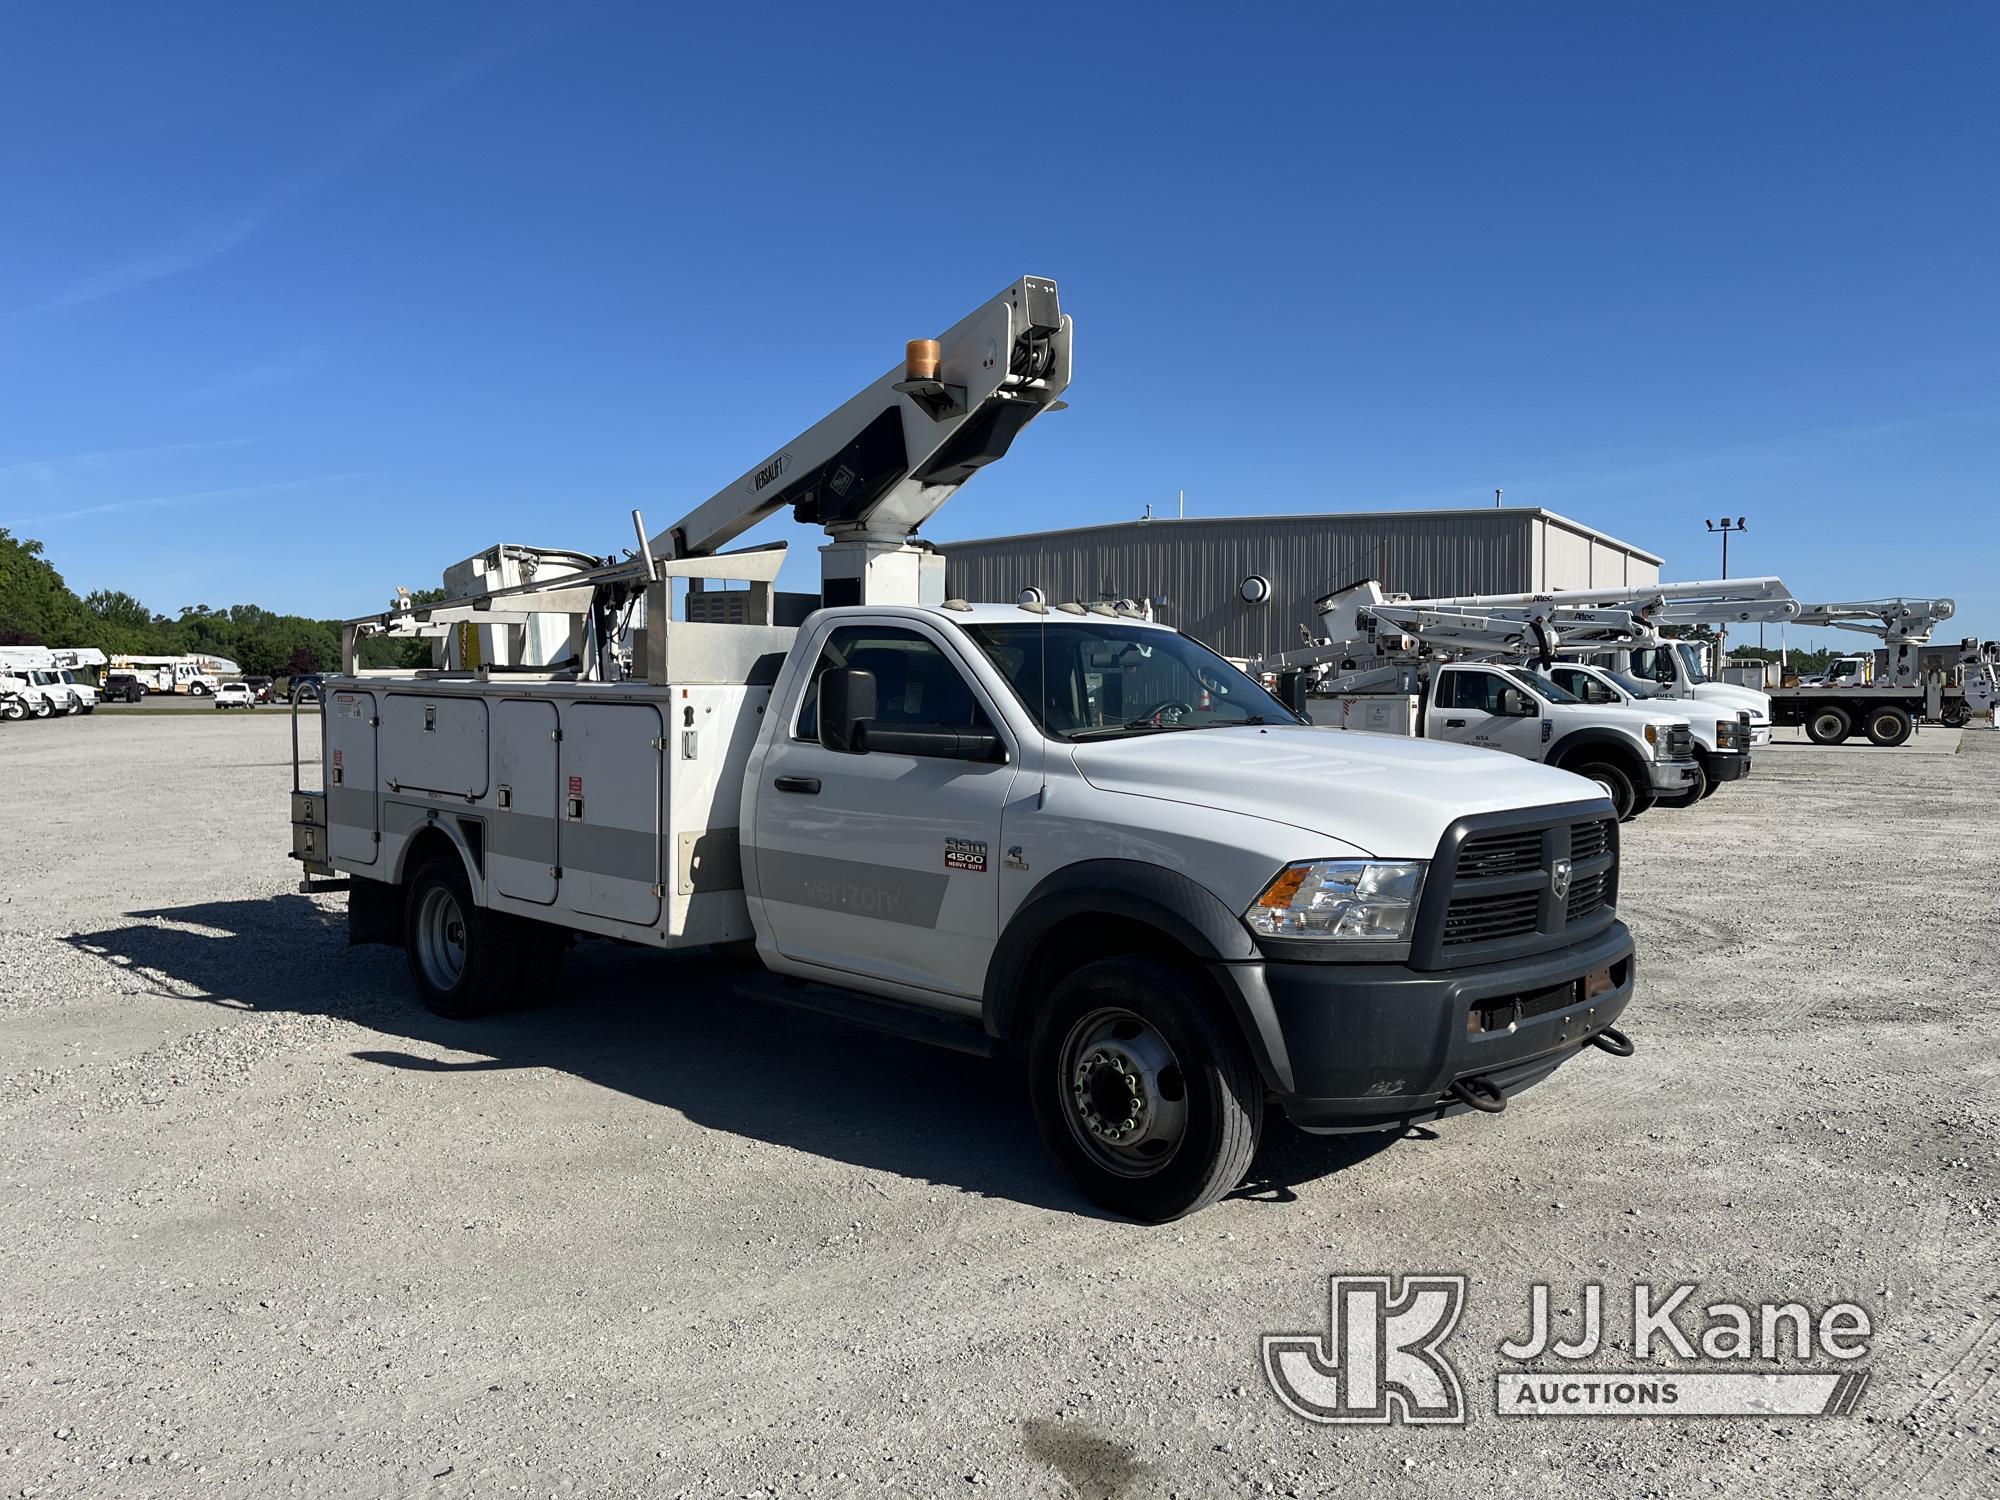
[(670, 1030)]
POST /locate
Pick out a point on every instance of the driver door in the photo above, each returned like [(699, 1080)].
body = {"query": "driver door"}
[(883, 864), (1476, 706)]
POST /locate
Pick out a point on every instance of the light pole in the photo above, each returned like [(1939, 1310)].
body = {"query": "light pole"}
[(1724, 528)]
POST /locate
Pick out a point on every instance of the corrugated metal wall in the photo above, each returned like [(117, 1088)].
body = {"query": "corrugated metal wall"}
[(1193, 568)]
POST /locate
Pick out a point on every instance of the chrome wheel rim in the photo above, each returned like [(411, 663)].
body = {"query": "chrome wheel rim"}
[(440, 938), (1124, 1093)]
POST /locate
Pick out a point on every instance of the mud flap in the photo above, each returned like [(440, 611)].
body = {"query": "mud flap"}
[(374, 913)]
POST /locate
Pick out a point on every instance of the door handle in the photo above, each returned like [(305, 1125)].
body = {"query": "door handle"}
[(1454, 723), (805, 785)]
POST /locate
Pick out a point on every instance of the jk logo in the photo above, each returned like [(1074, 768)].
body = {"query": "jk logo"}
[(1380, 1359)]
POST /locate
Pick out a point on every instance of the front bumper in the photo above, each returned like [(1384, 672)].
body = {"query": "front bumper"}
[(1726, 765), (1375, 1046), (1667, 777)]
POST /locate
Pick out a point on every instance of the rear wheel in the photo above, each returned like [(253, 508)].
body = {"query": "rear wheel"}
[(468, 961), (1617, 784), (1143, 1090), (1828, 725), (1888, 726)]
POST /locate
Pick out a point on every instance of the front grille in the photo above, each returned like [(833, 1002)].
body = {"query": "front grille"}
[(1586, 895), (1500, 854), (1589, 840), (1494, 888), (1479, 919), (1680, 743)]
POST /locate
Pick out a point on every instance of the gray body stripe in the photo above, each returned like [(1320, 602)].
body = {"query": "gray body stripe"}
[(887, 893), (352, 806), (618, 853), (621, 853)]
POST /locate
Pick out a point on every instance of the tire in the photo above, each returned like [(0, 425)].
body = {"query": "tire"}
[(1130, 1029), (1709, 788), (1956, 716), (13, 710), (1618, 786), (467, 961), (41, 708), (1828, 724), (1888, 726)]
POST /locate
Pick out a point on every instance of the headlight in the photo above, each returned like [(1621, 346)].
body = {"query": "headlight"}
[(1350, 900)]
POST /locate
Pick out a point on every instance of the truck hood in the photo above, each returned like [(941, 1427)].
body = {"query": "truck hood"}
[(1384, 795), (1733, 696)]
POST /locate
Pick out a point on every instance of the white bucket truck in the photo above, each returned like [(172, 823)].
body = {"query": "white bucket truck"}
[(1388, 663), (1060, 830)]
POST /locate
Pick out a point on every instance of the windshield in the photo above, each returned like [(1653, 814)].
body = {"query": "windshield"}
[(1691, 659), (1546, 686), (1095, 680), (1638, 687)]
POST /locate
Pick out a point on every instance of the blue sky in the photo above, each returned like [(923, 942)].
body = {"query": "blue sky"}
[(301, 303)]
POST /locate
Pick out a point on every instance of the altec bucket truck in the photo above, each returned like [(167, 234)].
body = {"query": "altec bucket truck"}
[(1674, 668), (1911, 681), (1426, 667), (1061, 830)]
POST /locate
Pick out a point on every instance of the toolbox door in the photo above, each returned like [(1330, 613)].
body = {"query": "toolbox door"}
[(609, 796), (353, 807), (521, 829)]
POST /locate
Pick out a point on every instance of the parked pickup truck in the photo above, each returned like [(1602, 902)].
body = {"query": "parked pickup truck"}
[(1721, 745), (1082, 838)]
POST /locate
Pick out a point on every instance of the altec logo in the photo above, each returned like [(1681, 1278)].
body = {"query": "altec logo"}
[(1381, 1361)]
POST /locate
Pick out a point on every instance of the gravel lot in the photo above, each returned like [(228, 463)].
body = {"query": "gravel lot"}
[(273, 1230)]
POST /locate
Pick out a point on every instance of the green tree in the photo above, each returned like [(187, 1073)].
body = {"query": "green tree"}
[(36, 606)]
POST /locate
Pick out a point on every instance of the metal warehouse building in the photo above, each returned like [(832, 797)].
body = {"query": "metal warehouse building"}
[(1194, 570)]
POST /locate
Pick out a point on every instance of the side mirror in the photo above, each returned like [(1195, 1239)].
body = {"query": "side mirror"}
[(1515, 703), (846, 698)]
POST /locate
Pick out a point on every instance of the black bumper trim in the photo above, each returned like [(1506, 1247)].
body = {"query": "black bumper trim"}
[(1373, 1046)]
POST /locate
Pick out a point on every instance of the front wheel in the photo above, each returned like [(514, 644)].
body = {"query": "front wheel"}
[(1828, 725), (1143, 1090), (43, 709), (1616, 784), (198, 690), (468, 961)]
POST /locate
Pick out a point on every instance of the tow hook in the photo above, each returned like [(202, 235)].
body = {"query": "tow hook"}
[(1478, 1093), (1614, 1041)]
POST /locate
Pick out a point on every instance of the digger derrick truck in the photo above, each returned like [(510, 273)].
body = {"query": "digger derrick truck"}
[(1058, 830), (1911, 681)]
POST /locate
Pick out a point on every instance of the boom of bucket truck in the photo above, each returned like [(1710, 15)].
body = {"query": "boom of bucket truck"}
[(982, 825)]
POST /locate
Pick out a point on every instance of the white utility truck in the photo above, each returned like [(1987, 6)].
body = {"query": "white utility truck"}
[(197, 676), (1052, 829), (1387, 663), (1906, 682), (1678, 668), (1721, 745), (48, 682)]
